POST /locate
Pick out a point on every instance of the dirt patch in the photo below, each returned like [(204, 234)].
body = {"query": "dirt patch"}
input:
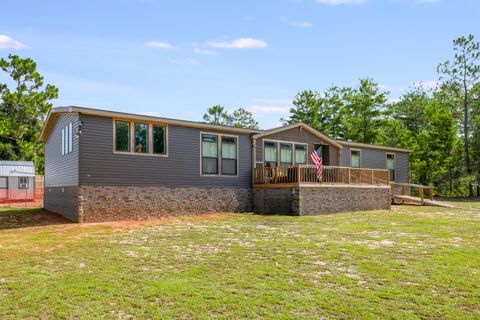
[(29, 218)]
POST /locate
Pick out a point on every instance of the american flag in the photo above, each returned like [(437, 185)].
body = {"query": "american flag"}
[(318, 164)]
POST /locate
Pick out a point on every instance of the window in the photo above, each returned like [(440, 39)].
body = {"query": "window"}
[(209, 154), (270, 153), (141, 138), (229, 156), (219, 155), (286, 154), (391, 165), (70, 137), (67, 140), (122, 136), (22, 182), (158, 139), (355, 158), (300, 154), (3, 182)]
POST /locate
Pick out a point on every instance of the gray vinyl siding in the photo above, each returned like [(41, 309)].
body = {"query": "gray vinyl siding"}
[(402, 167), (61, 170), (295, 135), (100, 166), (377, 159)]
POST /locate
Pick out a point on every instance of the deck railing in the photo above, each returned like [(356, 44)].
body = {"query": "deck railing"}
[(406, 189), (308, 174)]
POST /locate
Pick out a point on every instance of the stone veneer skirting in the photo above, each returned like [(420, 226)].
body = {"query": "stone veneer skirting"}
[(321, 199), (119, 203)]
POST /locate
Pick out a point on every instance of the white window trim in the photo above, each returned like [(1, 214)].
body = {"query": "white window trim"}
[(360, 160), (27, 184), (292, 152), (63, 141), (293, 143), (395, 162), (219, 154), (67, 139), (132, 139), (306, 153)]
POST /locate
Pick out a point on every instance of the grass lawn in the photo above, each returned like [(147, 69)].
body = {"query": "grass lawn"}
[(408, 263)]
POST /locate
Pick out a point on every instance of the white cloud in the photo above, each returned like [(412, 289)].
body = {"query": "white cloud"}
[(8, 43), (303, 24), (256, 109), (160, 44), (241, 43), (338, 2), (205, 52)]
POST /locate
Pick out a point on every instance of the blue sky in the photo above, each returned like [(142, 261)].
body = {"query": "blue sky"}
[(177, 58)]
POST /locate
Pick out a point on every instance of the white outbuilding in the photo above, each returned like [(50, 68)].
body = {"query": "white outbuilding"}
[(17, 180)]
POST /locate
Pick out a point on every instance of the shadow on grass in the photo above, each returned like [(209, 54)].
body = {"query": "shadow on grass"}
[(23, 218)]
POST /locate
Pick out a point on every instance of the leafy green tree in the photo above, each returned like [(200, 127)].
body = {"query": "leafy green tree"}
[(23, 110), (423, 122), (476, 133), (321, 111), (240, 118), (363, 111), (306, 108), (463, 71), (330, 112), (394, 133), (410, 110), (244, 119), (216, 115)]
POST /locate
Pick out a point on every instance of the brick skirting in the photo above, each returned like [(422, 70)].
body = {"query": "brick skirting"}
[(321, 199), (115, 203)]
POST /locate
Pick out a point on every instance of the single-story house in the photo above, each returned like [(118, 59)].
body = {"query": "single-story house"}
[(17, 181), (104, 166)]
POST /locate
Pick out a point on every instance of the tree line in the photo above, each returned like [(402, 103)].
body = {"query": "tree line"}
[(441, 125)]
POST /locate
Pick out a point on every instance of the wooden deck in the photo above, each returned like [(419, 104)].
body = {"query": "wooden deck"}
[(291, 176)]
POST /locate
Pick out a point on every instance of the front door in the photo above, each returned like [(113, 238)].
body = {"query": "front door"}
[(323, 152)]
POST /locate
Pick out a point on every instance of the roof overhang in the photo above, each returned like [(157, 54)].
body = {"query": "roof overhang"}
[(55, 112), (298, 125), (372, 146)]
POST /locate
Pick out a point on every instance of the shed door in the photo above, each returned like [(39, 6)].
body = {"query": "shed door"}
[(3, 187)]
